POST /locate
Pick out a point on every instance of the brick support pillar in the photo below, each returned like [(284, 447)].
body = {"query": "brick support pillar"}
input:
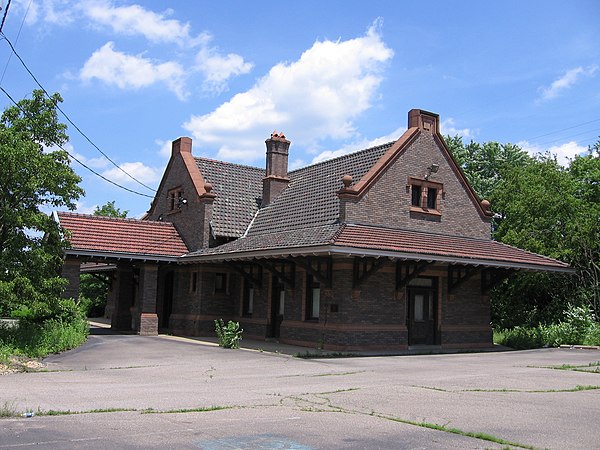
[(148, 294), (70, 271), (124, 291)]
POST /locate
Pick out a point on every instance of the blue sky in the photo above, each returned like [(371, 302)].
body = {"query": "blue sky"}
[(334, 76)]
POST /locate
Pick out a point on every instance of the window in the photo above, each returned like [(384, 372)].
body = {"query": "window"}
[(431, 198), (220, 283), (248, 307), (174, 197), (416, 195), (313, 298), (194, 282), (425, 195), (281, 302)]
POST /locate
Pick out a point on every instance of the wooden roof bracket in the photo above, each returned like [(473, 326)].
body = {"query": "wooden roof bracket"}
[(406, 271), (457, 275), (493, 276), (248, 272), (285, 271), (364, 268), (320, 268)]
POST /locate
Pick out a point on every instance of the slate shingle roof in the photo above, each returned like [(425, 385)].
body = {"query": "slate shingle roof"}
[(238, 189), (98, 234), (310, 199)]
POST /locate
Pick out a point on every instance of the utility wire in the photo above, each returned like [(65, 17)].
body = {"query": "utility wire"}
[(4, 16), (76, 159), (16, 40), (69, 120)]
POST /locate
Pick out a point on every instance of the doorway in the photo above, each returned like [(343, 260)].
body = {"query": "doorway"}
[(422, 308)]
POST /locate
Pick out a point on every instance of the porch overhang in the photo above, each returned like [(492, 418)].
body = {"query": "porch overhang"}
[(346, 251), (108, 256)]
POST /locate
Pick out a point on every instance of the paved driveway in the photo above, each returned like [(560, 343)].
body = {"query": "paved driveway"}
[(166, 392)]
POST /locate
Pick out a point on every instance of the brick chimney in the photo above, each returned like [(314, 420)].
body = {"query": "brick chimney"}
[(424, 120), (181, 145), (276, 178)]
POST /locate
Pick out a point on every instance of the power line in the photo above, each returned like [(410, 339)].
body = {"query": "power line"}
[(563, 129), (76, 159), (16, 40), (4, 16), (69, 120)]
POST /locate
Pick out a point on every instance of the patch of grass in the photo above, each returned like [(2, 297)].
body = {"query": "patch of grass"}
[(8, 410), (593, 367), (185, 410), (38, 340), (337, 374), (310, 355), (68, 412), (446, 429), (525, 391)]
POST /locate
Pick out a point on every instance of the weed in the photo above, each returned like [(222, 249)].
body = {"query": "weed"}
[(185, 410), (229, 335), (8, 410)]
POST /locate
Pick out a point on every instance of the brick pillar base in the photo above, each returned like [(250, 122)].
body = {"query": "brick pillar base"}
[(148, 324)]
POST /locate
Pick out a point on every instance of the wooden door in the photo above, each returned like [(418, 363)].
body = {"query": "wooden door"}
[(421, 316)]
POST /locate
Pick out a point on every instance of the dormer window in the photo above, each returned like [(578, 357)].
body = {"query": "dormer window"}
[(425, 195)]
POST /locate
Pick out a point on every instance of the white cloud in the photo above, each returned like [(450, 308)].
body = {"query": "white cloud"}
[(314, 98), (569, 78), (447, 127), (217, 69), (127, 71), (137, 170), (136, 20), (82, 208), (359, 145), (165, 148), (564, 152)]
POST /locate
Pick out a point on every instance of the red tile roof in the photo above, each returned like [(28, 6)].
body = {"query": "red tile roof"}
[(108, 235), (451, 248)]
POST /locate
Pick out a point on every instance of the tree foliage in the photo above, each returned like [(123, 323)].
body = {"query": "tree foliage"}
[(33, 176), (545, 208), (110, 210)]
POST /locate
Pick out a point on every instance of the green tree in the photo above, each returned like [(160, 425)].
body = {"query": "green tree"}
[(110, 210), (33, 176), (544, 208), (485, 164), (554, 211)]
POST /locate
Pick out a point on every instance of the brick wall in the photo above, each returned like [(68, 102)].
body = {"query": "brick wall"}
[(388, 202)]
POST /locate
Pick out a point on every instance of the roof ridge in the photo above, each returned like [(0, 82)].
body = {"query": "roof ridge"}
[(115, 219), (228, 163)]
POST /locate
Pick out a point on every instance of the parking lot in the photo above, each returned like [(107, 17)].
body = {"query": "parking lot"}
[(127, 391)]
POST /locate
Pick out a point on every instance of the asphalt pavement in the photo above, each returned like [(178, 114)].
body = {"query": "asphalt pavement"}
[(134, 392)]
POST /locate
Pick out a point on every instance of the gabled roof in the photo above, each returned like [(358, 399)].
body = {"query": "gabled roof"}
[(238, 192), (129, 238), (310, 200)]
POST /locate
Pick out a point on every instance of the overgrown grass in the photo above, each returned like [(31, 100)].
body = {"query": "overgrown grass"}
[(38, 340), (577, 328)]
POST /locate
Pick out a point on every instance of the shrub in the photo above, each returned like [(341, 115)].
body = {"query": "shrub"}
[(229, 335), (520, 338), (593, 335)]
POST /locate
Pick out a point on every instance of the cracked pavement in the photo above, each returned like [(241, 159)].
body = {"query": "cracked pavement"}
[(203, 396)]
